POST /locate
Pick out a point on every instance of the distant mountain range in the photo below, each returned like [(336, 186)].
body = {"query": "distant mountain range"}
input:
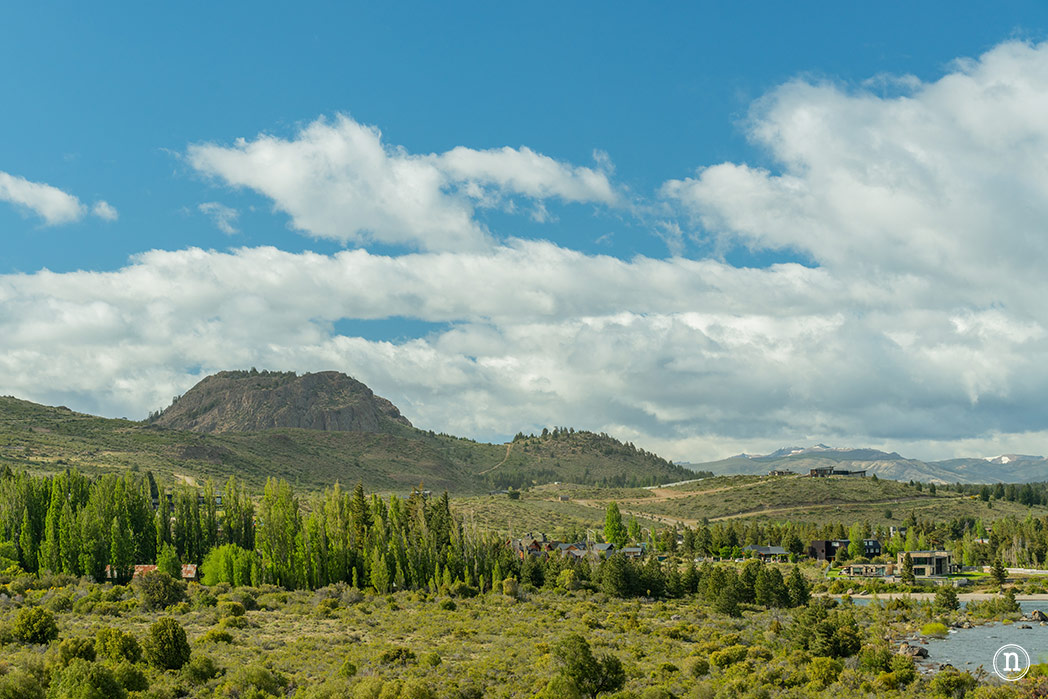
[(1007, 468)]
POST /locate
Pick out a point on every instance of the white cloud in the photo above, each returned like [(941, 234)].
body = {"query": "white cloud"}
[(222, 216), (105, 211), (922, 330), (948, 180), (693, 356), (339, 180), (49, 203)]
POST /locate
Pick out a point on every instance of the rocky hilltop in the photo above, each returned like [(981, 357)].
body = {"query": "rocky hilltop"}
[(253, 401)]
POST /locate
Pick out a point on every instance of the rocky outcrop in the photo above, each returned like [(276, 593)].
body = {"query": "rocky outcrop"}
[(252, 401)]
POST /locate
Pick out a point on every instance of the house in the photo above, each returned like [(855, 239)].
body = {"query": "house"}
[(781, 472), (190, 571), (633, 552), (929, 563), (602, 549), (564, 498), (763, 552), (827, 471), (826, 550), (869, 570), (871, 548)]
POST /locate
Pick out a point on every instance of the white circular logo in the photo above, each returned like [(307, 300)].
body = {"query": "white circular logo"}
[(1011, 662)]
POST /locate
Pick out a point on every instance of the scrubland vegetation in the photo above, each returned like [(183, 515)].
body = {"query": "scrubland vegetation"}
[(68, 637)]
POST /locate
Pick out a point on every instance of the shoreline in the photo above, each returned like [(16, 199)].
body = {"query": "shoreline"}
[(961, 596)]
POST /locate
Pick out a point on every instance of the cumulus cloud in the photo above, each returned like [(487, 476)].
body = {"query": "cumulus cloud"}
[(690, 356), (105, 211), (49, 203), (921, 328), (339, 180), (221, 215), (947, 180)]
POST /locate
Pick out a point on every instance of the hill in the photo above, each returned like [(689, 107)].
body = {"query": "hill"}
[(250, 401), (797, 498), (353, 436), (1011, 468)]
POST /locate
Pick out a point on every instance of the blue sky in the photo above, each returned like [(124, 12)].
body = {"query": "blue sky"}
[(600, 152)]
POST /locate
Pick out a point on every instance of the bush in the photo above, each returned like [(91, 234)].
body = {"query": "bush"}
[(510, 587), (700, 667), (158, 590), (217, 636), (166, 646), (431, 659), (397, 655), (84, 680), (935, 630), (824, 671), (448, 605), (130, 677), (71, 648), (727, 656), (20, 685), (951, 682), (200, 669), (232, 622), (35, 625), (117, 645), (946, 600), (231, 609), (254, 681)]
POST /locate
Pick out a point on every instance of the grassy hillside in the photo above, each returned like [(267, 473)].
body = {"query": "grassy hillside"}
[(41, 439), (775, 499)]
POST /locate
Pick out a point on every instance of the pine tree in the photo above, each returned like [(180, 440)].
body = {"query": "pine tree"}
[(907, 569), (999, 572), (798, 588)]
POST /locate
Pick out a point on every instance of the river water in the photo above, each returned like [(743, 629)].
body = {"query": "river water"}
[(967, 649)]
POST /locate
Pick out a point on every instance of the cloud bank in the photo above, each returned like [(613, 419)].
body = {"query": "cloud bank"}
[(920, 325)]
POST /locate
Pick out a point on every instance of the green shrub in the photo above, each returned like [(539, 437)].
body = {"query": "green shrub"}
[(217, 636), (130, 677), (83, 680), (448, 605), (35, 625), (200, 669), (232, 622), (347, 669), (935, 630), (70, 648), (20, 685), (166, 646), (727, 656), (431, 659), (230, 608), (117, 645), (398, 655), (510, 587), (824, 671), (158, 590), (699, 667), (253, 681), (951, 682)]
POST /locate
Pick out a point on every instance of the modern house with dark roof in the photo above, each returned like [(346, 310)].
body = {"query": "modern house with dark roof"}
[(763, 552)]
